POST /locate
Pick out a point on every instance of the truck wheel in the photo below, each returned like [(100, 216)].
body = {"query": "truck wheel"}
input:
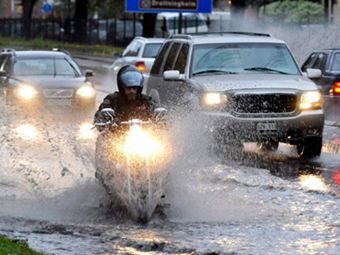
[(310, 147)]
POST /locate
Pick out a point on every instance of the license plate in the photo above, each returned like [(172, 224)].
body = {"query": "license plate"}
[(58, 102), (266, 126), (58, 93)]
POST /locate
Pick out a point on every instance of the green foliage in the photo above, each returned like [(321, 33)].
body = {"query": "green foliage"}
[(297, 12), (106, 8), (103, 50), (15, 247)]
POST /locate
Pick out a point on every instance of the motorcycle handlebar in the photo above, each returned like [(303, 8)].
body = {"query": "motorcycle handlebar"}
[(129, 122), (136, 122)]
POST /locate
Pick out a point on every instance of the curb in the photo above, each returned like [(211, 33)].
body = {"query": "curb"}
[(97, 69), (108, 60)]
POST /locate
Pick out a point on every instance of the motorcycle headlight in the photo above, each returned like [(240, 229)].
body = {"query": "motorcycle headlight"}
[(86, 91), (311, 100), (140, 142), (26, 92), (213, 99)]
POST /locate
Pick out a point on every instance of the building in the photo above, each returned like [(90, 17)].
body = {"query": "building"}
[(10, 8), (13, 8)]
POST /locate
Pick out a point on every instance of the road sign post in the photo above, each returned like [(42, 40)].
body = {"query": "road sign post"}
[(47, 8)]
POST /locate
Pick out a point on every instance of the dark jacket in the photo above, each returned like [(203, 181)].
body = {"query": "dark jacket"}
[(141, 108)]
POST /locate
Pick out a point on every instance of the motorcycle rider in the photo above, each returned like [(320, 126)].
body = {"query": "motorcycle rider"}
[(128, 102)]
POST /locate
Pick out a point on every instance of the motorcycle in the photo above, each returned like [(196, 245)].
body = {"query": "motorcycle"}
[(131, 162)]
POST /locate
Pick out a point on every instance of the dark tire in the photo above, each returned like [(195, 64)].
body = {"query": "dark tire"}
[(268, 145), (310, 147)]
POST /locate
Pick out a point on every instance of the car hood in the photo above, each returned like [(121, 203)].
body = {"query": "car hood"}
[(253, 82), (51, 81)]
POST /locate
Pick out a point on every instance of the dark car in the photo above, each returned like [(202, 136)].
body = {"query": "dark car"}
[(44, 77), (328, 61)]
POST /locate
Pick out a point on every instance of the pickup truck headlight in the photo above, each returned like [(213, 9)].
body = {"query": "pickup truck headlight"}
[(26, 92), (213, 99), (311, 100), (86, 91)]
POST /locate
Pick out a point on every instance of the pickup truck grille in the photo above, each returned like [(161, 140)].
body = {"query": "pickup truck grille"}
[(264, 103)]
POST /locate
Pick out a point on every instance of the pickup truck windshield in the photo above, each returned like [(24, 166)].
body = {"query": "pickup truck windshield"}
[(243, 58)]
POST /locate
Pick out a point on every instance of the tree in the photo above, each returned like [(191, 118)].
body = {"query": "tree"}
[(80, 17), (149, 21), (297, 12), (238, 7), (106, 8), (27, 9)]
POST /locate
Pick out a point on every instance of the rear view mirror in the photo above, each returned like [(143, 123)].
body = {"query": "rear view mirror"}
[(3, 74), (160, 113), (88, 73), (313, 73), (172, 75), (109, 113)]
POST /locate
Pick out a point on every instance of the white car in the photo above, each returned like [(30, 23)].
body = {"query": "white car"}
[(141, 52)]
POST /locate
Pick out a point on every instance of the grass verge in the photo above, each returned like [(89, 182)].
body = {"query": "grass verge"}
[(39, 43), (15, 247)]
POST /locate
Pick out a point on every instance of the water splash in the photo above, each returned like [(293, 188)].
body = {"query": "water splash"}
[(132, 168)]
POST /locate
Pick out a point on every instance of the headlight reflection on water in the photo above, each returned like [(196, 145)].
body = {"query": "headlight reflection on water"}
[(86, 131), (27, 132), (313, 182)]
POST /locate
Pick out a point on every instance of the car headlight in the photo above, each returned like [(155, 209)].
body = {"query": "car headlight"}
[(311, 100), (213, 99), (86, 91), (26, 92)]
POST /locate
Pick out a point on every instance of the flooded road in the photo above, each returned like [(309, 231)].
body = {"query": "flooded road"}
[(260, 204)]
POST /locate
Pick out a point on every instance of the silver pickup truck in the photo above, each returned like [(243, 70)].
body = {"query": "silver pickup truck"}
[(247, 85)]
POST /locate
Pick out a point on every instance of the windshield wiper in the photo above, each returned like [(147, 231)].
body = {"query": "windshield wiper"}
[(214, 71), (264, 69)]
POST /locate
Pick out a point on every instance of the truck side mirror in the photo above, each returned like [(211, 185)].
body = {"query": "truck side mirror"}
[(313, 73)]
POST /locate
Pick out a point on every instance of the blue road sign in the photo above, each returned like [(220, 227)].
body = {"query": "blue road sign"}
[(47, 8), (199, 6)]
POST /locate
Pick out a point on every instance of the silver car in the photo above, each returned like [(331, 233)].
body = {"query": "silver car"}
[(34, 78), (248, 86), (141, 52)]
